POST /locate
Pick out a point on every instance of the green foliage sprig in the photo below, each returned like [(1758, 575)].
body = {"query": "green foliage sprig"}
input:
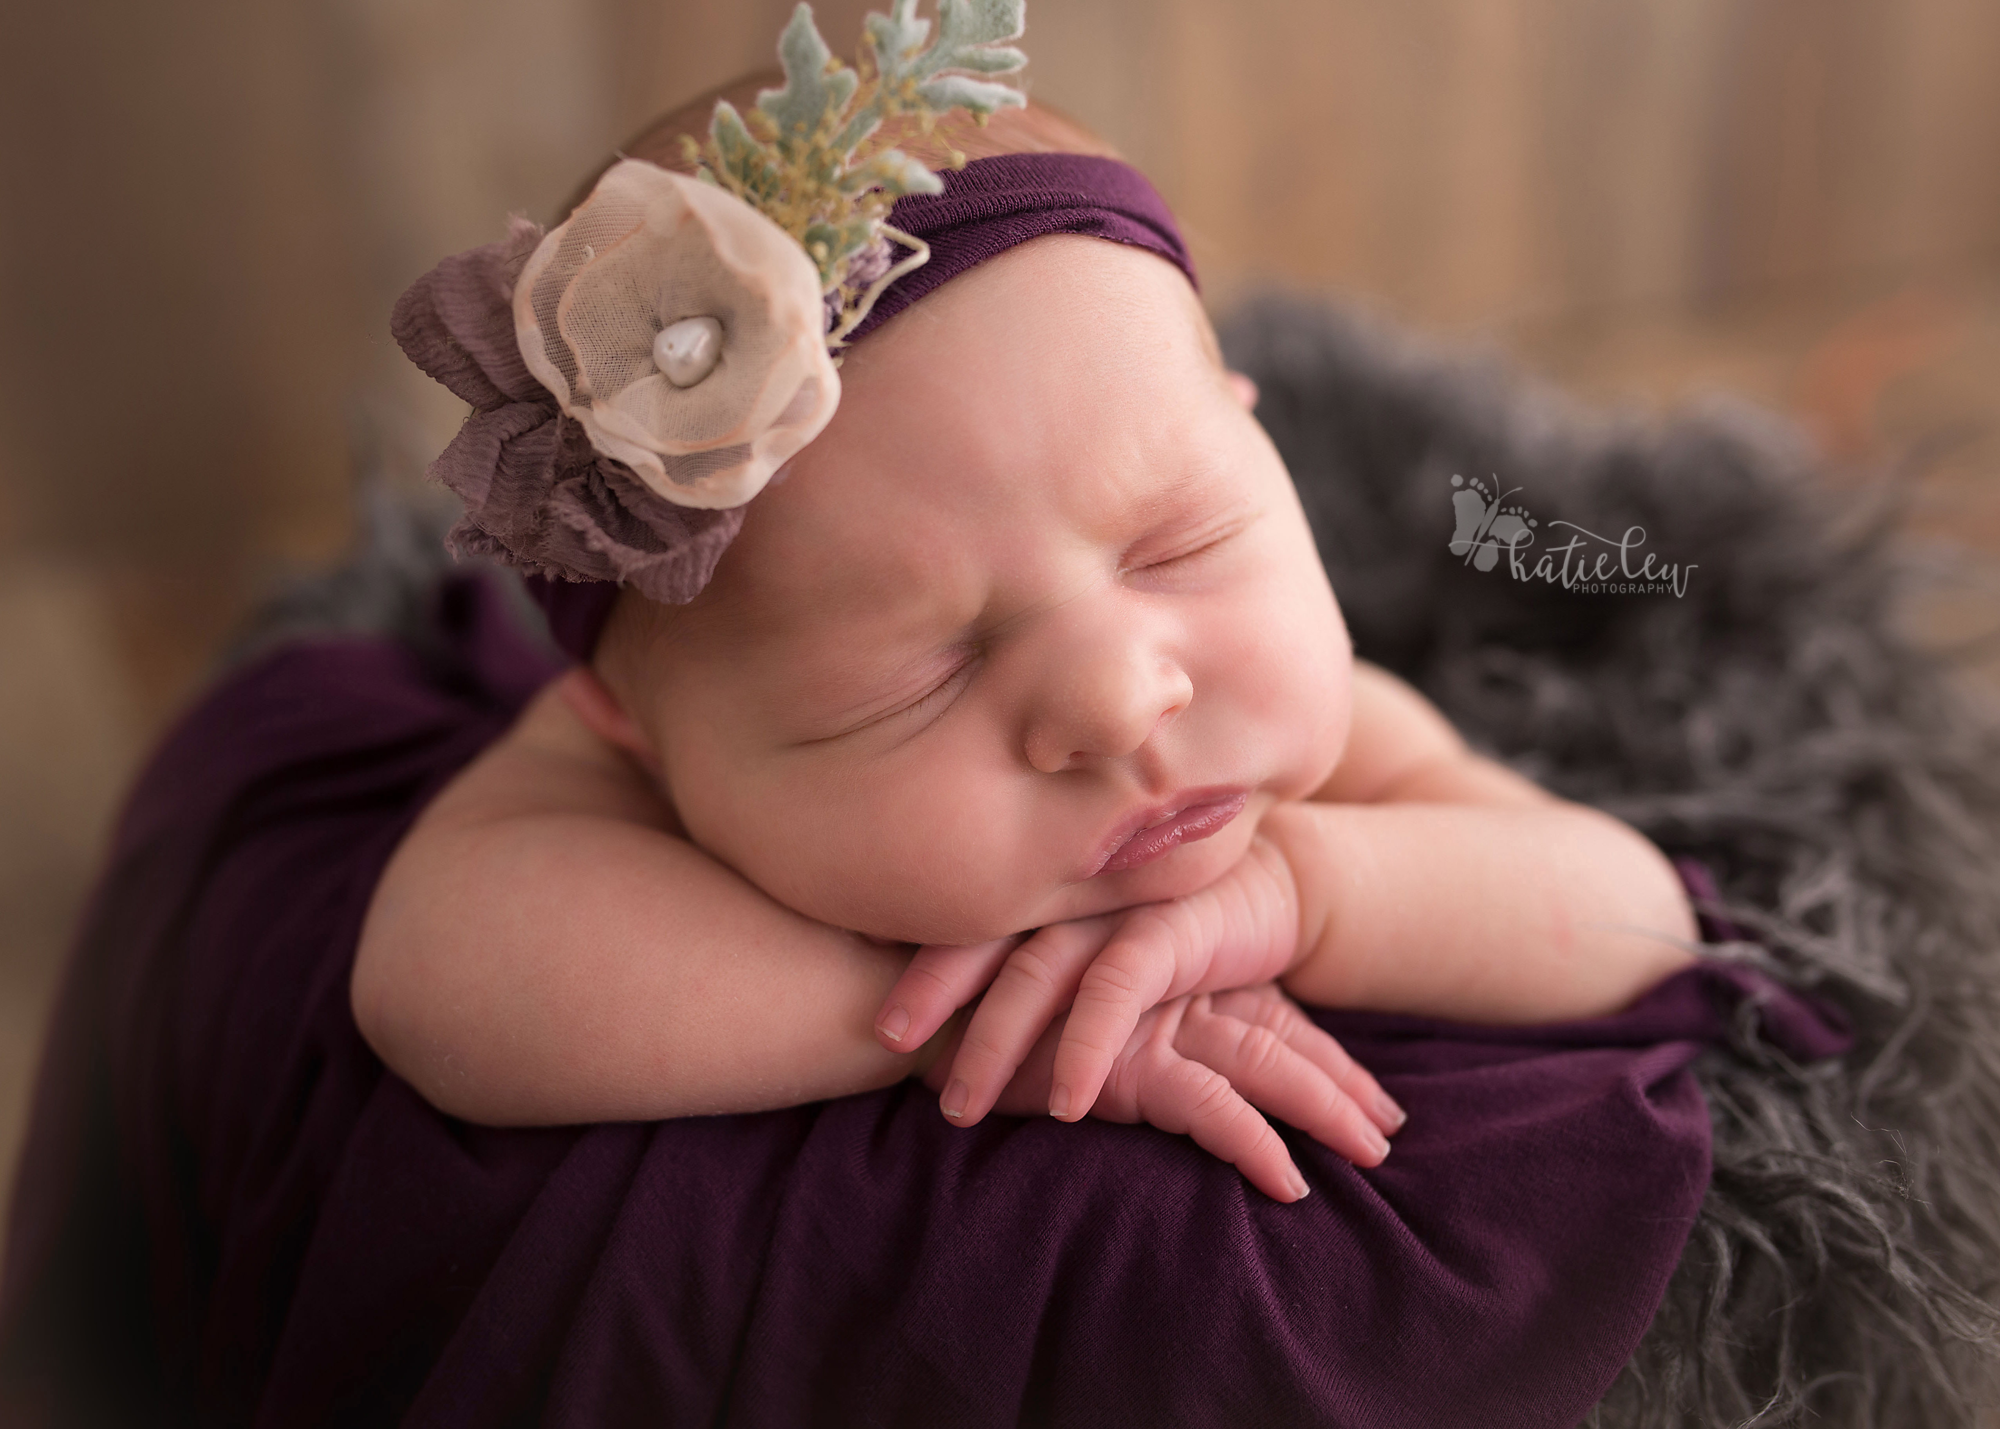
[(803, 155)]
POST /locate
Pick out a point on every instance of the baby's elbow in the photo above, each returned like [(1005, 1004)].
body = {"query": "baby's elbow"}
[(401, 1026), (435, 1066), (1642, 916), (1659, 898), (371, 994)]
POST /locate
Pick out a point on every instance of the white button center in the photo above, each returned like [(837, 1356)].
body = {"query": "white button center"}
[(688, 350)]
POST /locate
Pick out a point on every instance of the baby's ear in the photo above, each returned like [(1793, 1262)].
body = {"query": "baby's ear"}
[(1244, 390), (593, 702)]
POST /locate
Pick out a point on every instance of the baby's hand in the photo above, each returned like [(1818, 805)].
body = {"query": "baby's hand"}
[(1107, 971), (1200, 1065)]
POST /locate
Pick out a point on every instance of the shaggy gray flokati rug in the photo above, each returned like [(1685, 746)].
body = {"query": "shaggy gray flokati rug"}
[(1769, 721), (1772, 722)]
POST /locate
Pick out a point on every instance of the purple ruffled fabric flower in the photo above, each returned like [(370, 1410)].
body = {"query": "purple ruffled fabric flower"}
[(536, 494)]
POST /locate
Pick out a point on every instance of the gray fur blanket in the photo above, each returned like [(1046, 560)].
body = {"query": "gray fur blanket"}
[(1768, 720)]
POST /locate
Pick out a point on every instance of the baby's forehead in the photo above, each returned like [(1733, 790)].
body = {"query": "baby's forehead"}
[(1062, 394)]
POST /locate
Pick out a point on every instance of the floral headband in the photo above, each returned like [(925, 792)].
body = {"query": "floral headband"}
[(641, 371)]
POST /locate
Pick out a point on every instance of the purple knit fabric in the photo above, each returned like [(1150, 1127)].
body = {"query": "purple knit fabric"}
[(991, 205), (986, 208)]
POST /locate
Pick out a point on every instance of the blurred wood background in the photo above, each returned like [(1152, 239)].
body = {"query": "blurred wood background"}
[(211, 205)]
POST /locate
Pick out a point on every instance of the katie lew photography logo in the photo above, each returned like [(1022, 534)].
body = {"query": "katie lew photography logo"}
[(1490, 527)]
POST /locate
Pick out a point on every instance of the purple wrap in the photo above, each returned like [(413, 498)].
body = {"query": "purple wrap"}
[(986, 208), (231, 1214)]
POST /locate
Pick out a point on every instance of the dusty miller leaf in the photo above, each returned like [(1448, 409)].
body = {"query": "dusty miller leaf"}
[(895, 37), (743, 157), (971, 37), (955, 91), (894, 172), (969, 25), (817, 91), (808, 177)]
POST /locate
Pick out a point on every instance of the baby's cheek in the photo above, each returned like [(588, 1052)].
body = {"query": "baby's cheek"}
[(1285, 673), (1322, 667), (914, 850), (963, 855), (1331, 700)]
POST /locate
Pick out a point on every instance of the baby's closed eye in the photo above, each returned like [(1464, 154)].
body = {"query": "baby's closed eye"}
[(1184, 550), (911, 703)]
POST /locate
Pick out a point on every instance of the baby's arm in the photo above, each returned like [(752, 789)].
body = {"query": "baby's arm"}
[(1432, 879), (543, 948)]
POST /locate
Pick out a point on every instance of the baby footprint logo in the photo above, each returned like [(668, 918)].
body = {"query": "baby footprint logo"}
[(1485, 527)]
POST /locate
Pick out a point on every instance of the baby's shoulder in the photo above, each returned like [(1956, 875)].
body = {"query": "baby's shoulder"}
[(549, 764)]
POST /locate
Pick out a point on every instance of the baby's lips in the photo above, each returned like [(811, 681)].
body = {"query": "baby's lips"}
[(1194, 815)]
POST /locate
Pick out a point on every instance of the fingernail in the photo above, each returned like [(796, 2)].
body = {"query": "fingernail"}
[(1059, 1102), (1300, 1190), (954, 1099), (1386, 1110), (895, 1022), (1377, 1143)]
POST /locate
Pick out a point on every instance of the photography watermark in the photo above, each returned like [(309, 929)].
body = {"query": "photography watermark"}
[(1490, 529)]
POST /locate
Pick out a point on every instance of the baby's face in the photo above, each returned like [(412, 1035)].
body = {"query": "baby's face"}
[(1033, 631)]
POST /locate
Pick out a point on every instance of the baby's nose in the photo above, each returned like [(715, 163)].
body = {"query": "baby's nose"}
[(1104, 703)]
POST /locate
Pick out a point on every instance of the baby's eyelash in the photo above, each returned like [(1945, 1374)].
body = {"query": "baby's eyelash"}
[(1201, 547), (948, 683), (948, 686)]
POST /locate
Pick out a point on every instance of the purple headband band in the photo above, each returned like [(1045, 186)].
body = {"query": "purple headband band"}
[(986, 208), (992, 204)]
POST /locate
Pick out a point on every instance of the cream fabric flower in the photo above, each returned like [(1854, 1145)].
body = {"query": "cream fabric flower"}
[(683, 330)]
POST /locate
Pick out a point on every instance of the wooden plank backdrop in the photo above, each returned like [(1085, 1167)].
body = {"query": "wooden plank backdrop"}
[(210, 206)]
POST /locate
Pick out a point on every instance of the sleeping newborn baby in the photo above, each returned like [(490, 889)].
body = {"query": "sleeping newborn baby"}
[(1015, 745)]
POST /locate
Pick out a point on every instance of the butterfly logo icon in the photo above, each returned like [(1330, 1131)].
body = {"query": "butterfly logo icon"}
[(1485, 527)]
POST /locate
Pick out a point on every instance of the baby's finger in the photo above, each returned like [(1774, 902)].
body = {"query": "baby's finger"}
[(1133, 973), (939, 980), (1269, 1074), (1188, 1097), (1268, 1008), (1032, 988)]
